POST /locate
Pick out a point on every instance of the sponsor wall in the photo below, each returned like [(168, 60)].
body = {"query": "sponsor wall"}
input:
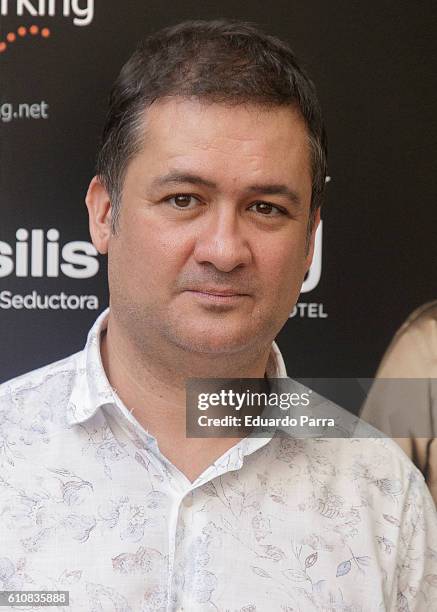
[(374, 67)]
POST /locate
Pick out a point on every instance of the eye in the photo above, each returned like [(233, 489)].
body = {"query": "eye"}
[(183, 201), (268, 210)]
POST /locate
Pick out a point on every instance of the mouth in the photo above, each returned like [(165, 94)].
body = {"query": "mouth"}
[(218, 295)]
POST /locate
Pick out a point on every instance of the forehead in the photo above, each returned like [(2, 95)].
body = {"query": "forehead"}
[(204, 123), (238, 139)]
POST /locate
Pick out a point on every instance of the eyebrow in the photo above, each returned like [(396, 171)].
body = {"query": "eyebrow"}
[(177, 178)]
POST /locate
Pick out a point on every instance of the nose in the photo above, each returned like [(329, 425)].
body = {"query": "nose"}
[(222, 241)]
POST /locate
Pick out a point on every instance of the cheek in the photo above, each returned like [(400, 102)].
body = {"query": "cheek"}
[(145, 259), (283, 267)]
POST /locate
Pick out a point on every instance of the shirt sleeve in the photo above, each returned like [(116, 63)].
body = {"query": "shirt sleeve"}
[(417, 551)]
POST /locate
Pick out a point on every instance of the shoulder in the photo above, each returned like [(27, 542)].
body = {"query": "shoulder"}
[(376, 454), (40, 378), (420, 321), (372, 473), (413, 349), (379, 460), (392, 484), (38, 398), (422, 315)]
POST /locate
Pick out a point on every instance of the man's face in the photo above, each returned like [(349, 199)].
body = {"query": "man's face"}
[(211, 247)]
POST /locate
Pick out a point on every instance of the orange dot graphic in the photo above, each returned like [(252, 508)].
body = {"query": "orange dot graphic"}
[(22, 31)]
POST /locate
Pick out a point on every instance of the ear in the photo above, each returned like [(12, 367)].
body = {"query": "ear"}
[(99, 212), (312, 240)]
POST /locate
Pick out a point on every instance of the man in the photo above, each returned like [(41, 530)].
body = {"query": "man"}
[(206, 200)]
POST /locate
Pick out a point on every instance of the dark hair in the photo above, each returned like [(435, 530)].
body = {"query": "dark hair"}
[(222, 61)]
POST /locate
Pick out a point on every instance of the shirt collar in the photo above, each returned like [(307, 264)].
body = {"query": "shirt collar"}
[(92, 390)]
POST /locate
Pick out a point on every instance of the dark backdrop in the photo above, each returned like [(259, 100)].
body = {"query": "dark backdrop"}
[(374, 64)]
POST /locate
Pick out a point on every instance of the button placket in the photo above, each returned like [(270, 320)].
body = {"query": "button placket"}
[(185, 501)]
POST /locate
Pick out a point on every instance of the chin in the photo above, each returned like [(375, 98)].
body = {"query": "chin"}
[(210, 343)]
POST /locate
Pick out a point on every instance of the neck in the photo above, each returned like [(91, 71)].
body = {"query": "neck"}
[(150, 380)]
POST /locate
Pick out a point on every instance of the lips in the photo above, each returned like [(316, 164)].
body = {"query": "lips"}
[(220, 292)]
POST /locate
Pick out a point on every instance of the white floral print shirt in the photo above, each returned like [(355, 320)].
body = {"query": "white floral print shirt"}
[(89, 505)]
